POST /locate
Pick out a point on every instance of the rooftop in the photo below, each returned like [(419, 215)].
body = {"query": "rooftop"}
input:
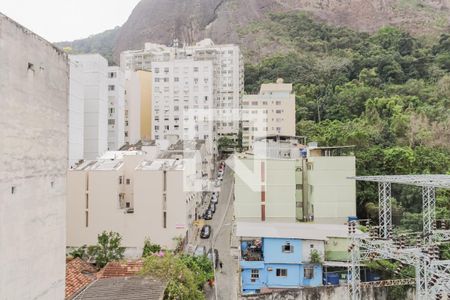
[(79, 274), (161, 164), (187, 145), (304, 231), (279, 86), (120, 288), (121, 269)]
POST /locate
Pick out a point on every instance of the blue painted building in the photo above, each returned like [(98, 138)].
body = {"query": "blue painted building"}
[(278, 255)]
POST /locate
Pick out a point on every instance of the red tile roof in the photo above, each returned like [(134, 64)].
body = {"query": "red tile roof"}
[(121, 269), (78, 275)]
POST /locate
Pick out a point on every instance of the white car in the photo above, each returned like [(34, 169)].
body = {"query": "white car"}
[(200, 251)]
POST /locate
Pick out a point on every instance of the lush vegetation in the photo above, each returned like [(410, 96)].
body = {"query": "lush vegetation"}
[(108, 249), (150, 248), (102, 43), (185, 275), (387, 93)]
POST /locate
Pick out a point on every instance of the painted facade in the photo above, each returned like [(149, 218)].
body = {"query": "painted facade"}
[(283, 264), (289, 255)]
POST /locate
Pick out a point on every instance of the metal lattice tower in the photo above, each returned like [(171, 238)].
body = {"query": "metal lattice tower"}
[(385, 209), (432, 275)]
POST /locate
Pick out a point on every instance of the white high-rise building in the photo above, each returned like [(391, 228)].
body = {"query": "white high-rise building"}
[(182, 99), (76, 113), (228, 82), (95, 70), (34, 89), (228, 74), (116, 108)]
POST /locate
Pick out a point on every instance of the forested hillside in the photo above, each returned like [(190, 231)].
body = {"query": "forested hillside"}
[(386, 93)]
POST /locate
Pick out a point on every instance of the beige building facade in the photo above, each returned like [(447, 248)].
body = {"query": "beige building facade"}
[(271, 112), (138, 106), (290, 182), (136, 194)]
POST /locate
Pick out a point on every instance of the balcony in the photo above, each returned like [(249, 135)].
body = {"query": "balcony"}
[(252, 250)]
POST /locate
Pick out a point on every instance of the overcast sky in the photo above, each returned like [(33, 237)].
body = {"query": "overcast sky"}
[(60, 20)]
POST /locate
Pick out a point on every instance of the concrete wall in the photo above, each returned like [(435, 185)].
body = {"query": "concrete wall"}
[(145, 194), (34, 90), (116, 108), (332, 194), (280, 190), (76, 113), (324, 293), (95, 69)]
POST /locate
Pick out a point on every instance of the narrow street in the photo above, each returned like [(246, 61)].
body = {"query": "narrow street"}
[(226, 279)]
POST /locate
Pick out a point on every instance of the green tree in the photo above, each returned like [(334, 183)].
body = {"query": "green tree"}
[(108, 248), (185, 275)]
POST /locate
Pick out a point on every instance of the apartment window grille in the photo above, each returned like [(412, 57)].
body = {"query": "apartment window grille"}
[(254, 275), (120, 179), (281, 272), (287, 248)]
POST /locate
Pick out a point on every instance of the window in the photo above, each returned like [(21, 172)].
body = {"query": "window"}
[(164, 219), (128, 180), (308, 273), (120, 179), (281, 272), (254, 275), (87, 201), (288, 248), (195, 69), (87, 218), (299, 186), (111, 122), (112, 75), (111, 87), (13, 189)]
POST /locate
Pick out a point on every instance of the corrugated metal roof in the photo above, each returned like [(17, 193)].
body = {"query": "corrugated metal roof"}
[(304, 231)]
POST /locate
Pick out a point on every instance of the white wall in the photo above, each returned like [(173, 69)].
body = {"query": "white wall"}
[(95, 69), (116, 108), (76, 113), (34, 91), (333, 194)]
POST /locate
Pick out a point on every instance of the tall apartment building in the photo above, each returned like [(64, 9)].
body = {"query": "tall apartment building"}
[(228, 74), (285, 181), (76, 113), (116, 108), (183, 99), (94, 78), (138, 106), (135, 195), (271, 112), (34, 89)]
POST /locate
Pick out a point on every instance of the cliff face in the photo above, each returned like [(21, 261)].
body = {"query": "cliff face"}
[(161, 21), (225, 21)]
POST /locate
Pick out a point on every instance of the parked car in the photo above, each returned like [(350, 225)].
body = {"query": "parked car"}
[(212, 207), (214, 200), (200, 251), (216, 257), (205, 232), (208, 215), (218, 182)]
